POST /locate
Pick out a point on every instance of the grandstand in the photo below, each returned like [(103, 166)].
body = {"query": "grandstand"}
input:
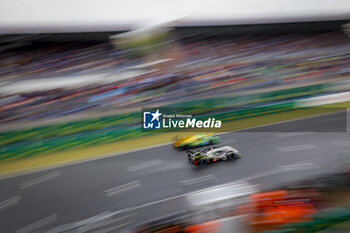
[(55, 76)]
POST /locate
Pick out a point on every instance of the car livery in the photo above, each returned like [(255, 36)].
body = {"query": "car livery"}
[(201, 139), (212, 155)]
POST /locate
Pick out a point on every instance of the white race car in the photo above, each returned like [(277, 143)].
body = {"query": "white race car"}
[(212, 155)]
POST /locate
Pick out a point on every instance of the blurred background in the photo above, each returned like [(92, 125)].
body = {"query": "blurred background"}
[(74, 76)]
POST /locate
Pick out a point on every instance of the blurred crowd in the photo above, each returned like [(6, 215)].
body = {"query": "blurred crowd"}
[(49, 59), (203, 66)]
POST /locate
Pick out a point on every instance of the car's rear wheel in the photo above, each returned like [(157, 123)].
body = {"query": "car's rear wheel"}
[(204, 162)]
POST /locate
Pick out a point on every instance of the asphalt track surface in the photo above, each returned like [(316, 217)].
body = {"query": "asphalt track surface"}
[(46, 199)]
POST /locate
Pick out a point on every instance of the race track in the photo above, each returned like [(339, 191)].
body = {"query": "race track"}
[(39, 201)]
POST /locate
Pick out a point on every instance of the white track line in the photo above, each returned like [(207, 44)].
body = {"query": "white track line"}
[(98, 221), (113, 229), (283, 135), (299, 166), (40, 179), (71, 226), (262, 174), (199, 180), (342, 143), (96, 218), (99, 224), (122, 188), (297, 148), (213, 195), (34, 226), (144, 165), (9, 202)]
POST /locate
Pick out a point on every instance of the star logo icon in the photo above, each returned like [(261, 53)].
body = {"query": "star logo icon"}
[(156, 115)]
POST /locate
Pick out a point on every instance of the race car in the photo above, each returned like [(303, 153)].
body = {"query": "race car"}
[(212, 155), (201, 139)]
